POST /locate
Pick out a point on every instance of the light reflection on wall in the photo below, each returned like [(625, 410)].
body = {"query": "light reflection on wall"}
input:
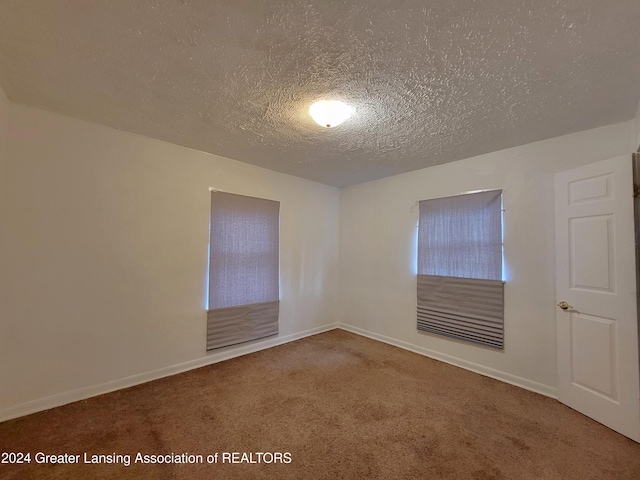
[(414, 252), (504, 265), (206, 289)]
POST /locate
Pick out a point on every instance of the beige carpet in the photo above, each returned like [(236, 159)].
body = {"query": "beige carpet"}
[(341, 406)]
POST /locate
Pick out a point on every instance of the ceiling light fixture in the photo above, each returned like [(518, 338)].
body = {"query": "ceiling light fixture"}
[(330, 113)]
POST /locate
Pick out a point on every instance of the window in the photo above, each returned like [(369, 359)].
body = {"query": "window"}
[(243, 269), (460, 288)]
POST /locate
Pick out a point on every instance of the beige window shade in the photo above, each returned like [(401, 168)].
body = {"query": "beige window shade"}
[(460, 289), (243, 269)]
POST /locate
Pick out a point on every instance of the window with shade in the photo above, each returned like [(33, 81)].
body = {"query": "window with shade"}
[(244, 287), (460, 285)]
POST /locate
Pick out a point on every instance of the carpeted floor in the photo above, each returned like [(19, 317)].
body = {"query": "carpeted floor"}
[(336, 406)]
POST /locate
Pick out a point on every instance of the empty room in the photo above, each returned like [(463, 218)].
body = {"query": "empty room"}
[(319, 240)]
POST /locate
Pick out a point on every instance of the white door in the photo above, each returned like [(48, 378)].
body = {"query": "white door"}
[(595, 277)]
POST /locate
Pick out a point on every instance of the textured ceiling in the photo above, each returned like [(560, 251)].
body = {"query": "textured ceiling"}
[(431, 81)]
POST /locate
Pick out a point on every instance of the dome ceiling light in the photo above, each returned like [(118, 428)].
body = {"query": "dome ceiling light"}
[(330, 113)]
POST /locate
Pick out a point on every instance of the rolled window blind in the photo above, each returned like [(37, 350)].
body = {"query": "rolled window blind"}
[(243, 269), (460, 289)]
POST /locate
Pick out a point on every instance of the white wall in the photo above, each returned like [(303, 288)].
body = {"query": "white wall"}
[(105, 254), (636, 131), (4, 125), (377, 251)]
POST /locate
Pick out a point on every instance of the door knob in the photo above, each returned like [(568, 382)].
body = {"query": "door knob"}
[(567, 308)]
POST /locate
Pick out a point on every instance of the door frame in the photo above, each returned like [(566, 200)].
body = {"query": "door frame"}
[(635, 165)]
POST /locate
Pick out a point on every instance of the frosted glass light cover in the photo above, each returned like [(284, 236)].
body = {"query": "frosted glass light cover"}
[(330, 113)]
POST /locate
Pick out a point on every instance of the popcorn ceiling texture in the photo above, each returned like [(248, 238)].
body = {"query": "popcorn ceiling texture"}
[(431, 82)]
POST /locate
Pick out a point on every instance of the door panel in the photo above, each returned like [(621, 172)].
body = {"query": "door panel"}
[(594, 354), (588, 235), (595, 276)]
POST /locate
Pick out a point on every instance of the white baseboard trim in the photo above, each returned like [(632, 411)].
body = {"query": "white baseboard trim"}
[(536, 387), (83, 393)]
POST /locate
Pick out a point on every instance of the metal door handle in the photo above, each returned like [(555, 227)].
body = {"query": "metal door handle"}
[(567, 308)]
